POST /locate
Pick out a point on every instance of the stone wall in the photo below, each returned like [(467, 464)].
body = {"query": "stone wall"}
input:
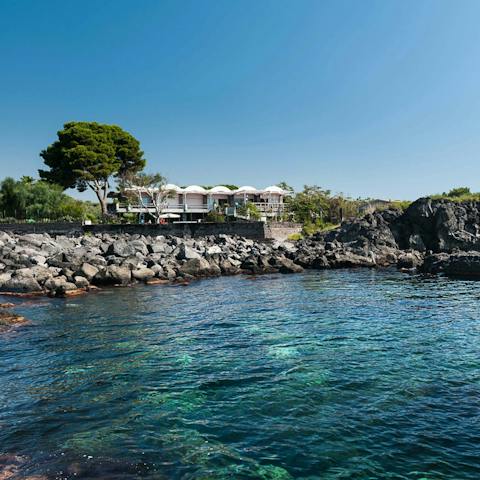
[(52, 228), (281, 230), (254, 230)]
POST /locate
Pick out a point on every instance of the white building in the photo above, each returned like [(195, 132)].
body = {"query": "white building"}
[(194, 202)]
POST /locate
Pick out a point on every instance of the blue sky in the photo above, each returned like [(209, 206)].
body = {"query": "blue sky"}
[(370, 98)]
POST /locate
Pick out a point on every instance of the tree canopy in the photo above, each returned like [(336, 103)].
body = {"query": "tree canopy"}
[(316, 207), (88, 154), (38, 200)]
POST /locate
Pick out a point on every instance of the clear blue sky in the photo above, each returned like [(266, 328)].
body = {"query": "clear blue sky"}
[(371, 98)]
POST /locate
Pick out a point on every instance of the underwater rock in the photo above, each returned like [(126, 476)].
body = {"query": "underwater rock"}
[(9, 320)]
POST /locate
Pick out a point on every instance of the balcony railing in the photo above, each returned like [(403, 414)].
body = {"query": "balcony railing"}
[(264, 207), (268, 209), (182, 207)]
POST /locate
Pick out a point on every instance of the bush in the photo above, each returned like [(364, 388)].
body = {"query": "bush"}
[(310, 228), (459, 194), (294, 237), (215, 217), (249, 210)]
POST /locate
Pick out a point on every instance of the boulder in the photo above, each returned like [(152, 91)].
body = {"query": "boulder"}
[(214, 250), (40, 273), (9, 320), (88, 271), (143, 274), (139, 246), (228, 268), (113, 275), (157, 247), (199, 267), (59, 286), (121, 248), (183, 252), (285, 265), (21, 284), (409, 260), (4, 278), (81, 282), (345, 259)]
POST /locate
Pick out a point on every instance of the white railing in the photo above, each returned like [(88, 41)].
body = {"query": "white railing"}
[(270, 207), (183, 207)]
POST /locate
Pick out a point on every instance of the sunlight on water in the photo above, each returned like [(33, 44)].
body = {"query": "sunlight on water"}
[(328, 375)]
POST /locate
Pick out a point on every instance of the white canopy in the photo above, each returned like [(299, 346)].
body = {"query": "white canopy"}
[(195, 189), (247, 189), (274, 189), (171, 186), (220, 189)]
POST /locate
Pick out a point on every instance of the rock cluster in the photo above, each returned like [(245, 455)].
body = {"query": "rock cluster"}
[(40, 263)]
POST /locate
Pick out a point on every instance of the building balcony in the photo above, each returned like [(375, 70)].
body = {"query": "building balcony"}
[(169, 208)]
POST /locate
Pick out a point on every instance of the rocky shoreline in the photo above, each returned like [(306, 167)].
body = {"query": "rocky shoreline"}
[(37, 264), (431, 236)]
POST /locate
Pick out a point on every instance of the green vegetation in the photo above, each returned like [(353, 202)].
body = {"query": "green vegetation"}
[(250, 211), (35, 200), (285, 186), (294, 237), (215, 217), (459, 194), (88, 154), (400, 204), (318, 209)]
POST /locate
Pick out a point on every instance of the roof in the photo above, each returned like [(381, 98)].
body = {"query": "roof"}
[(274, 189), (247, 189), (171, 186), (220, 189), (195, 189)]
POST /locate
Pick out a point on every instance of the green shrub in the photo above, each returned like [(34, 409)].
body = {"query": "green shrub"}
[(294, 237), (249, 210), (311, 228), (459, 194), (215, 217)]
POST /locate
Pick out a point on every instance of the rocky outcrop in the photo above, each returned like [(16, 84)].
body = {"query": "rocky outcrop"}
[(438, 226), (64, 266), (430, 230), (459, 264)]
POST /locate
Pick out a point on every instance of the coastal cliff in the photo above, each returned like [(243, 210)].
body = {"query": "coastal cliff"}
[(431, 236)]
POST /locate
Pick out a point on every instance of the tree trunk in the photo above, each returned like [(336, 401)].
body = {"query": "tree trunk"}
[(102, 200)]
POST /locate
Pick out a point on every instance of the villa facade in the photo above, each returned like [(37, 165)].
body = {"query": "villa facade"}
[(195, 202)]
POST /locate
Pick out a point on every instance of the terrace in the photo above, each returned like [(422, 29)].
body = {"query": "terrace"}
[(194, 201)]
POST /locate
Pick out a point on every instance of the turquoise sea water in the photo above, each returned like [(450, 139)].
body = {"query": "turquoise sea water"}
[(330, 375)]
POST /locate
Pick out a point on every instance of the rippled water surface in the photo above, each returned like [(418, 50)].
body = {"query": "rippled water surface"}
[(331, 375)]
